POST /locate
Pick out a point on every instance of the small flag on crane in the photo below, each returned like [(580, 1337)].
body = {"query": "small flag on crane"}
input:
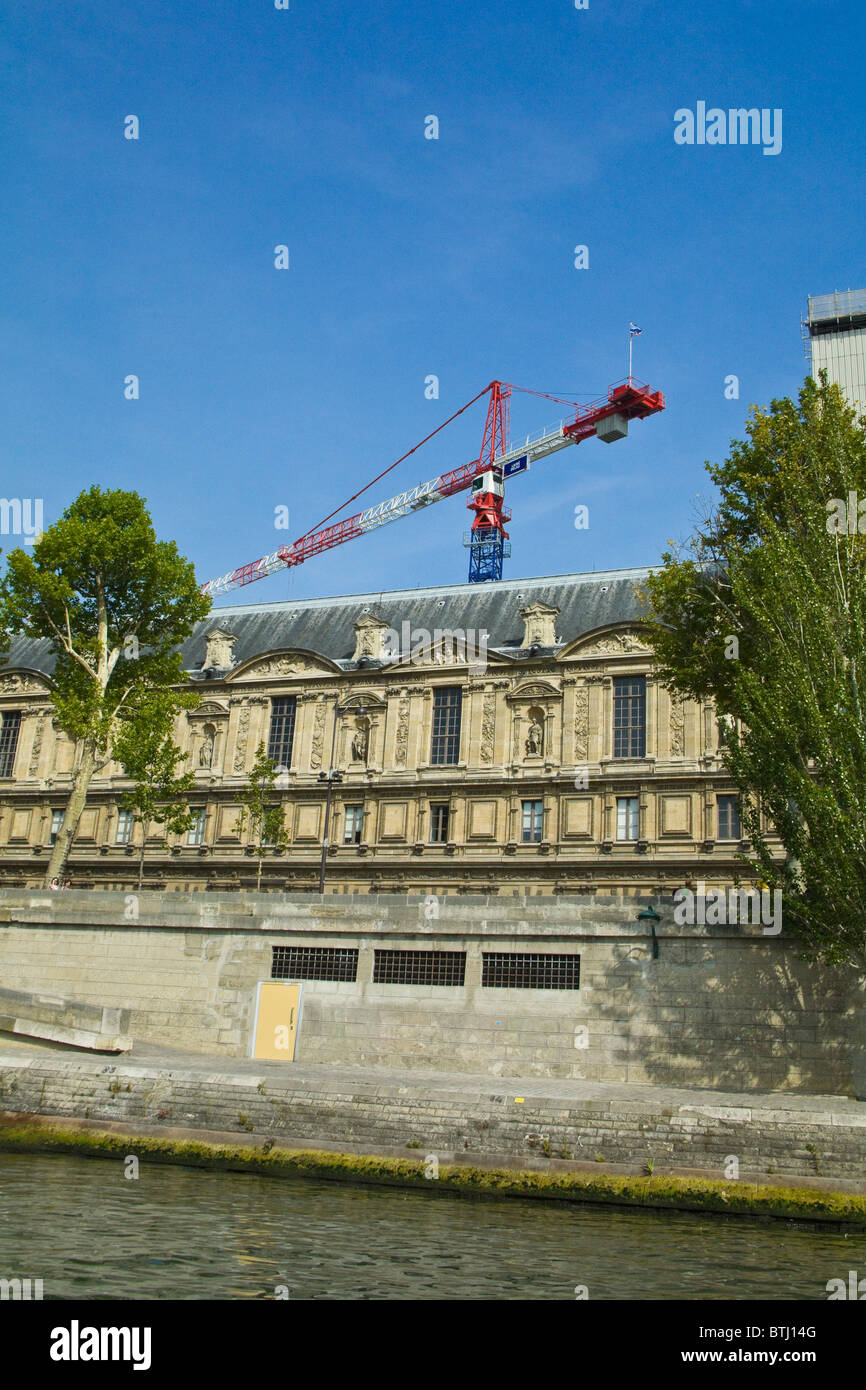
[(633, 330)]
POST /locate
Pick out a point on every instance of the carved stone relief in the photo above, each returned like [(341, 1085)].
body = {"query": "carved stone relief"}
[(581, 723), (317, 742), (488, 726), (402, 739), (242, 738), (678, 726)]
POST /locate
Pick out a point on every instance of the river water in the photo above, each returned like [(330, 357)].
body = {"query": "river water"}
[(182, 1233)]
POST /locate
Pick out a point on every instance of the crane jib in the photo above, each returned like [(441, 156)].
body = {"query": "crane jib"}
[(607, 418)]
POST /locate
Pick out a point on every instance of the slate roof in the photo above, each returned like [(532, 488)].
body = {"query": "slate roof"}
[(326, 626)]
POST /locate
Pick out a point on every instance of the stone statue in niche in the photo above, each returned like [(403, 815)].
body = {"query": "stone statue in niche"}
[(359, 745), (534, 740), (206, 752)]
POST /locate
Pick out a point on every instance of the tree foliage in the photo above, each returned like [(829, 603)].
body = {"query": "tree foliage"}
[(765, 612), (263, 814), (144, 747), (114, 603)]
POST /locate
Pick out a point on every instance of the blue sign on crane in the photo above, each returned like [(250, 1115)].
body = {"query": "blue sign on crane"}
[(515, 466)]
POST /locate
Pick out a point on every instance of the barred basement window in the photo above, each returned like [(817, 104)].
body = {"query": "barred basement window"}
[(526, 971), (315, 963), (419, 968)]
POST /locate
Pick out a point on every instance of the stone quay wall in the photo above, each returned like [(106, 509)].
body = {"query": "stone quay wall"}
[(468, 1120), (720, 1007)]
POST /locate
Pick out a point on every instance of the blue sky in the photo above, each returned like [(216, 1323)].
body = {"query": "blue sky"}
[(262, 388)]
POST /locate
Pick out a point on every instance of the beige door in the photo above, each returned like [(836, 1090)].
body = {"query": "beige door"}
[(278, 1007)]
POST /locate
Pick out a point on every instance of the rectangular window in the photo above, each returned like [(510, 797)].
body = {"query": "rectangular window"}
[(315, 963), (439, 822), (533, 821), (124, 828), (419, 967), (629, 716), (729, 818), (9, 731), (57, 819), (195, 834), (626, 817), (282, 731), (447, 706), (352, 826), (516, 970)]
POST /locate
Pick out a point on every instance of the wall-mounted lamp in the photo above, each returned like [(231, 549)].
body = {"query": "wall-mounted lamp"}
[(650, 915)]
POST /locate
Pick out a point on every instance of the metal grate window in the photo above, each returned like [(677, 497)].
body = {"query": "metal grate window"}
[(9, 731), (315, 963), (447, 706), (629, 716), (526, 971), (419, 968), (282, 731)]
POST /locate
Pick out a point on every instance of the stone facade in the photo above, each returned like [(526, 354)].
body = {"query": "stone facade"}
[(724, 1008), (533, 794)]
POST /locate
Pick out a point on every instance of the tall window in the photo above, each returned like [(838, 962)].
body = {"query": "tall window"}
[(533, 821), (626, 817), (729, 818), (124, 827), (439, 822), (352, 825), (447, 705), (282, 731), (195, 834), (57, 819), (629, 716), (9, 730)]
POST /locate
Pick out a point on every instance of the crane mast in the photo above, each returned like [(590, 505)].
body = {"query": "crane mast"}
[(486, 476)]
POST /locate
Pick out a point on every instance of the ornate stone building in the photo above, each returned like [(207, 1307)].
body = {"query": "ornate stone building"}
[(506, 738)]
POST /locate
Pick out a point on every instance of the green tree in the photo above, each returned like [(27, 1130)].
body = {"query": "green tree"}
[(264, 816), (114, 603), (144, 747), (765, 612)]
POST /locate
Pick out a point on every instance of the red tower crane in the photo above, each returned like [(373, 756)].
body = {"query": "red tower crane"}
[(607, 418)]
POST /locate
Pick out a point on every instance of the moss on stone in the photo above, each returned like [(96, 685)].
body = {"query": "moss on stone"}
[(683, 1194)]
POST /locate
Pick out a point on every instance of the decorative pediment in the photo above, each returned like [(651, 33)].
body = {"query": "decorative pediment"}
[(446, 648), (282, 664), (610, 642), (22, 683), (208, 709), (535, 690), (539, 625), (363, 700)]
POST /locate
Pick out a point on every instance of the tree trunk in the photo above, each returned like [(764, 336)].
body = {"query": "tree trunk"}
[(141, 857), (74, 807), (259, 875)]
